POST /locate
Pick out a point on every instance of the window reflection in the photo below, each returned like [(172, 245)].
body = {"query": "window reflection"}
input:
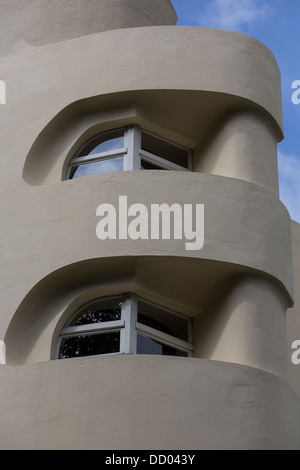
[(106, 142), (100, 316), (149, 166), (146, 345), (162, 320), (127, 148), (90, 345), (94, 168), (124, 324), (79, 342), (165, 149)]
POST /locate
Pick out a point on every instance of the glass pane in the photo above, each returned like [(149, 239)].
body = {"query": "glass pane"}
[(150, 166), (147, 345), (165, 149), (90, 345), (104, 143), (98, 311), (162, 320), (94, 168)]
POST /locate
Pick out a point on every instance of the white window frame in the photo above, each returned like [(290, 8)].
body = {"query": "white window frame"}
[(129, 328), (163, 162), (132, 153), (101, 156), (164, 338)]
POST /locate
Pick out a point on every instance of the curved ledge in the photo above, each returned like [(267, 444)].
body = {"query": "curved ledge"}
[(43, 311), (188, 286), (223, 406), (222, 72), (47, 21), (176, 115), (172, 58), (244, 223)]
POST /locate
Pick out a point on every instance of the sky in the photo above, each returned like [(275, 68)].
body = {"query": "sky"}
[(277, 24)]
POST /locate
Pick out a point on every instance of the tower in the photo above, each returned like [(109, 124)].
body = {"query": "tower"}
[(115, 341)]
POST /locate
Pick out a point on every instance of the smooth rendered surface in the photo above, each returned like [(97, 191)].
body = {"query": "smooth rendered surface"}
[(38, 22), (144, 402), (70, 76), (293, 314)]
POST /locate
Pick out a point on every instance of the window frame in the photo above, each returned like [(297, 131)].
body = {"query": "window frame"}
[(128, 326), (164, 338), (164, 162), (132, 152), (97, 157)]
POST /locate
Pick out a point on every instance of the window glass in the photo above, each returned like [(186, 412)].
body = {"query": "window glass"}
[(150, 166), (104, 143), (124, 324), (99, 311), (94, 168), (107, 152), (162, 320), (90, 345), (146, 345), (165, 149)]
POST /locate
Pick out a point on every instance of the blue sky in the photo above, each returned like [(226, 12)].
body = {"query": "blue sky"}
[(277, 24)]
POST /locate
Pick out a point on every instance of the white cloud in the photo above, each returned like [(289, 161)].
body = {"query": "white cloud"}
[(289, 182), (234, 14)]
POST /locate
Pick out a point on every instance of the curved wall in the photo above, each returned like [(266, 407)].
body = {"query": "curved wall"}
[(224, 64), (293, 314), (247, 236), (243, 145), (193, 86), (182, 404), (47, 21)]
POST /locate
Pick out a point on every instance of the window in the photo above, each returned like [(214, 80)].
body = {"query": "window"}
[(163, 154), (101, 154), (94, 329), (128, 149), (160, 331), (124, 324)]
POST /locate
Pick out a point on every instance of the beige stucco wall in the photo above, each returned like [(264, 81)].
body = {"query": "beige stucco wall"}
[(217, 92), (46, 21), (231, 248), (247, 324), (142, 402), (241, 133), (293, 314)]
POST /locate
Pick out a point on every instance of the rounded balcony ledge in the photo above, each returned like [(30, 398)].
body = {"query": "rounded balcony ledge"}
[(40, 22)]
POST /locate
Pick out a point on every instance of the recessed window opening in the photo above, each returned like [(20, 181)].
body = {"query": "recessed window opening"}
[(164, 149), (130, 148), (124, 324)]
